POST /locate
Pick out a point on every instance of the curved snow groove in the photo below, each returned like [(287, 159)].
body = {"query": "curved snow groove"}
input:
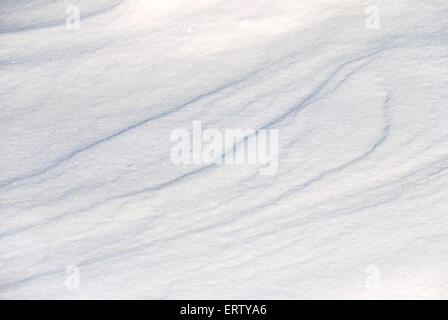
[(347, 164), (334, 214), (362, 174), (228, 221), (141, 123), (155, 117), (306, 101), (57, 23), (47, 57), (119, 133)]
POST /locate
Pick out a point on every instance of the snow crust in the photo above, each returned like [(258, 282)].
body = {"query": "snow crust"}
[(91, 205)]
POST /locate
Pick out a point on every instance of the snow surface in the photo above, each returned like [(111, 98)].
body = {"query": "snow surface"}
[(357, 209)]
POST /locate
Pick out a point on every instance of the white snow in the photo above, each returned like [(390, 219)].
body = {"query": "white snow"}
[(89, 195)]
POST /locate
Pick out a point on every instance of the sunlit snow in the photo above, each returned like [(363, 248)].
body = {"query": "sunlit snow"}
[(92, 205)]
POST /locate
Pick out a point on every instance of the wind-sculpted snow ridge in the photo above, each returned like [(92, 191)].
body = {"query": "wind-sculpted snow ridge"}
[(94, 205)]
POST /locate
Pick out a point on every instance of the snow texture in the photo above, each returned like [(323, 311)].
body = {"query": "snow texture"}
[(93, 207)]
